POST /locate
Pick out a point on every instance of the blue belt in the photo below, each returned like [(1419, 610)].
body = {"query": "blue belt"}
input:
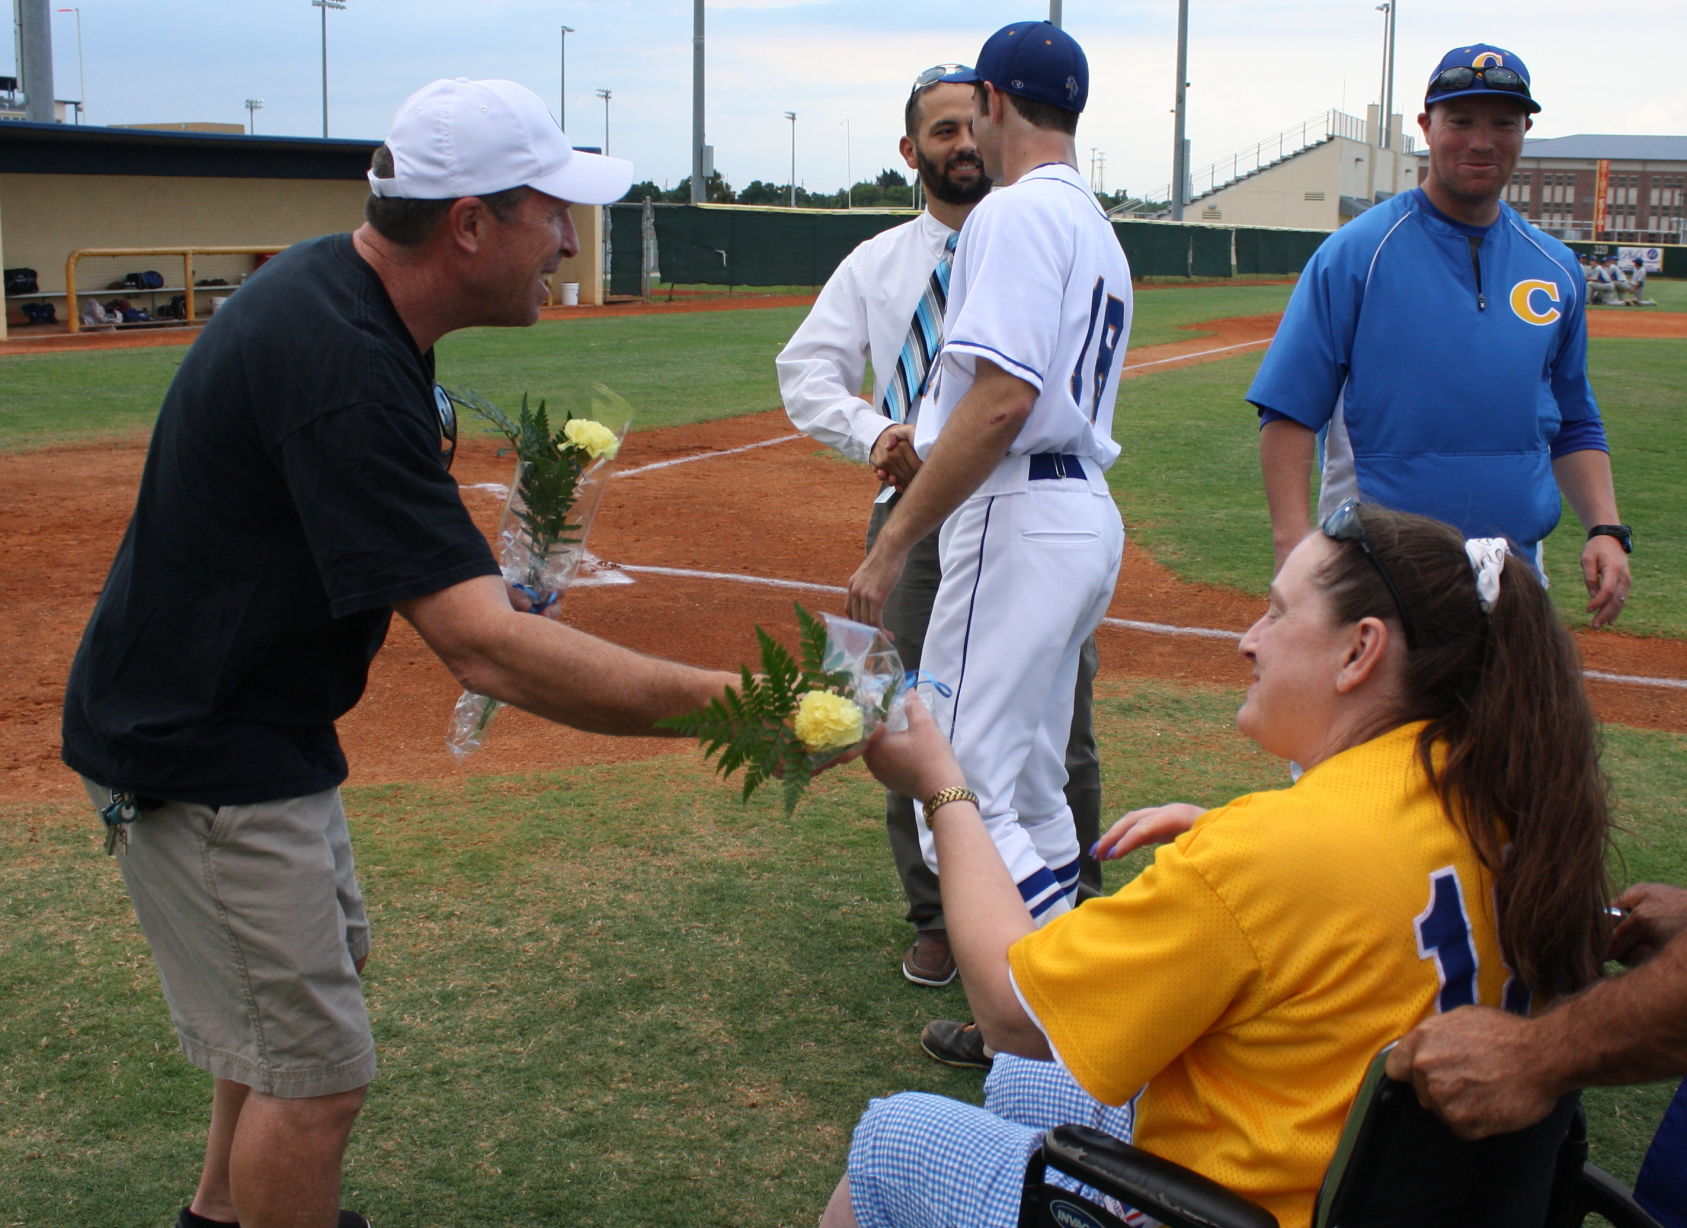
[(1055, 465)]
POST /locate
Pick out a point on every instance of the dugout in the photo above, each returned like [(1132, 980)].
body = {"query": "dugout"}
[(759, 245), (68, 187)]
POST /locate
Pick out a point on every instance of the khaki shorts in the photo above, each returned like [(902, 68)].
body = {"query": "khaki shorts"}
[(256, 921)]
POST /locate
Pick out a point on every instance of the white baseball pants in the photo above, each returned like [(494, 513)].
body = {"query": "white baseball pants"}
[(1027, 576)]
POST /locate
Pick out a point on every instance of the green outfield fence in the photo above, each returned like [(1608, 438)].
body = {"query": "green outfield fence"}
[(747, 245)]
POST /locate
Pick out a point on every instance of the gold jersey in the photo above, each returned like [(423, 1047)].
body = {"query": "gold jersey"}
[(1253, 970)]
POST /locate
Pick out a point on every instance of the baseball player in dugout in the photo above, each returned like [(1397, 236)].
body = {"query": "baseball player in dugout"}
[(1436, 346), (296, 492), (886, 302), (1014, 434)]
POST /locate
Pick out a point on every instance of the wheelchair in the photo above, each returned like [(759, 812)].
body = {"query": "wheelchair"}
[(1397, 1165)]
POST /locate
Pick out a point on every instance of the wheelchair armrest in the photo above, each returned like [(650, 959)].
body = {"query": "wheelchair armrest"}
[(1602, 1194), (1172, 1194)]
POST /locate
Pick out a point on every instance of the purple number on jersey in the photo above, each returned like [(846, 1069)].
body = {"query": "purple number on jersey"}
[(1444, 932), (1111, 311)]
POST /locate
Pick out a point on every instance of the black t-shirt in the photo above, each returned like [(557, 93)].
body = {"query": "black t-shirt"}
[(293, 492)]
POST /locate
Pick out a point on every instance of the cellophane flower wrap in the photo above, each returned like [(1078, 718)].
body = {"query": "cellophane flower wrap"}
[(560, 476), (803, 709)]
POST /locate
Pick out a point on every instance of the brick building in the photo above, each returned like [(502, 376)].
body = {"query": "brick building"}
[(1557, 186)]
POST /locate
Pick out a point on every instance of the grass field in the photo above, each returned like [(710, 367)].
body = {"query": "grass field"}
[(613, 994)]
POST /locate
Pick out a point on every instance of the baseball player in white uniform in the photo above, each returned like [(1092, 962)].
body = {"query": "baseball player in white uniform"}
[(1015, 433), (865, 311)]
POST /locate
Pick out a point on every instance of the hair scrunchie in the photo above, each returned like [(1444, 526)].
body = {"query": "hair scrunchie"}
[(1487, 560)]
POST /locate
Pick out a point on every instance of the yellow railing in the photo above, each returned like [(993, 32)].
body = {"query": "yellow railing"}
[(187, 289)]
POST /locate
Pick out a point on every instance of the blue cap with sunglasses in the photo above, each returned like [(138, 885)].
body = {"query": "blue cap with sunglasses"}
[(1480, 69), (1036, 60)]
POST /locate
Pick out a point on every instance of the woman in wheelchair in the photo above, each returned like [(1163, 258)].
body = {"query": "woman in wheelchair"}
[(1444, 844)]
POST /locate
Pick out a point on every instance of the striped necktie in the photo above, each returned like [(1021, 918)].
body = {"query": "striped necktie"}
[(925, 333)]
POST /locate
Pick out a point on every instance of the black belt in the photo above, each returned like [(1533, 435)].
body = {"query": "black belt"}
[(1055, 465)]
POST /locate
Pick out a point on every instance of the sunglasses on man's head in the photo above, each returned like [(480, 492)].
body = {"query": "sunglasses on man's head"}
[(1344, 525), (937, 72), (1495, 78)]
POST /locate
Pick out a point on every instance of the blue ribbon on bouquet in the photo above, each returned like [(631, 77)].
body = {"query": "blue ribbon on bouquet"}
[(541, 603), (919, 677)]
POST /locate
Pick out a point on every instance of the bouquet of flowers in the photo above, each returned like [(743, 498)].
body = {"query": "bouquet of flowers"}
[(559, 480), (796, 716)]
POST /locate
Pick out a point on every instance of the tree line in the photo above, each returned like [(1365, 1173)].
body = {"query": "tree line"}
[(889, 189)]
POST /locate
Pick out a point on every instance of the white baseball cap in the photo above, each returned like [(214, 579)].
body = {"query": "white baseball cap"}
[(473, 138)]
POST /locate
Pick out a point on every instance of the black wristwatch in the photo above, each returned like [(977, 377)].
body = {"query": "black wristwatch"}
[(1623, 534)]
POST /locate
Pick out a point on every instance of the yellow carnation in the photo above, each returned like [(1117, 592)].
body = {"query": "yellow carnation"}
[(593, 438), (825, 721)]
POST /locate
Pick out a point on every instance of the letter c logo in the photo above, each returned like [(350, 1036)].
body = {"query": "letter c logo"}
[(1523, 302), (1489, 59)]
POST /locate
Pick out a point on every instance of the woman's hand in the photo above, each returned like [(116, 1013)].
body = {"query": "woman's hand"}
[(917, 761), (1150, 825)]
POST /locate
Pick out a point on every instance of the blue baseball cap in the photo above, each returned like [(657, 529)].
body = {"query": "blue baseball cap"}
[(1480, 68), (1036, 60)]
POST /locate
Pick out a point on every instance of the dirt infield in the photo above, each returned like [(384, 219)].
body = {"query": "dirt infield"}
[(731, 513)]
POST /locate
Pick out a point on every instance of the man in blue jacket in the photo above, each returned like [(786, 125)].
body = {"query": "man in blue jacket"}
[(1438, 346)]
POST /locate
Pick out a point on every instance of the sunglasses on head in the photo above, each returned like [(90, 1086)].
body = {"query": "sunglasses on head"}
[(937, 72), (1495, 78), (1344, 525)]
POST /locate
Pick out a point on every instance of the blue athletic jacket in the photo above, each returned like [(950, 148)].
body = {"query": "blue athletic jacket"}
[(1447, 362)]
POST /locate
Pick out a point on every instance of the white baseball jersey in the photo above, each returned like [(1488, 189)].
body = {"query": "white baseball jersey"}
[(1042, 289)]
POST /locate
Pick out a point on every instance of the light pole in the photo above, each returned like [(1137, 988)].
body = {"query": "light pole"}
[(253, 105), (325, 5), (604, 94), (1180, 147), (699, 155), (562, 79), (849, 173), (792, 116), (81, 81), (1385, 129)]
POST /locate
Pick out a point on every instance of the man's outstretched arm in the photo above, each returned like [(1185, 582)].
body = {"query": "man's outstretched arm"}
[(551, 669)]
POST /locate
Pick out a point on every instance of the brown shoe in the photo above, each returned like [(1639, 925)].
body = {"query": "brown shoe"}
[(929, 961), (956, 1044)]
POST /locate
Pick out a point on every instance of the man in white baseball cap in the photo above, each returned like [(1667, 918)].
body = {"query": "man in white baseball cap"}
[(297, 492)]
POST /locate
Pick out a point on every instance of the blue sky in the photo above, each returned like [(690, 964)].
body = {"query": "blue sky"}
[(1256, 67)]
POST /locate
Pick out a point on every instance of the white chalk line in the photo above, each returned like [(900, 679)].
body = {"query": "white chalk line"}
[(1125, 624), (1211, 633), (703, 456), (1155, 362), (729, 577), (1599, 675)]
